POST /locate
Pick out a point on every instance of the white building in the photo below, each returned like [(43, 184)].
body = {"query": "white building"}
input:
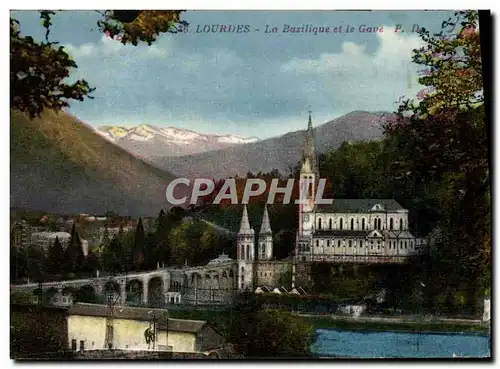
[(46, 240), (112, 231), (350, 230)]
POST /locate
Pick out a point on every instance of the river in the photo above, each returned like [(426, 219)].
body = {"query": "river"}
[(363, 344)]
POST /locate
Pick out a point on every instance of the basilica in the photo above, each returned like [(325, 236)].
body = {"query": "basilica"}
[(366, 231)]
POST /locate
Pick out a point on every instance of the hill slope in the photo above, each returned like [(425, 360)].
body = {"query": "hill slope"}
[(59, 164), (278, 152)]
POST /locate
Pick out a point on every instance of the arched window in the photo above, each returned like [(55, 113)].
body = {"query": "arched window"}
[(319, 223), (327, 242), (363, 224), (360, 243), (380, 224), (248, 252), (400, 224), (352, 224), (406, 244), (263, 250), (317, 243), (330, 223), (339, 243), (391, 224), (350, 243), (341, 223)]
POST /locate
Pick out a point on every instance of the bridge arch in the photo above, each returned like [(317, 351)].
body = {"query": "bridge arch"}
[(112, 292), (155, 294), (135, 292), (86, 294)]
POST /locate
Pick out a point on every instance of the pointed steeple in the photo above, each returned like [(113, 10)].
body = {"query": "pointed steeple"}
[(265, 228), (245, 224), (309, 143)]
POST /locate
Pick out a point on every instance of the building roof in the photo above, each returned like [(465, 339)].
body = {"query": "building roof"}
[(51, 234), (141, 314), (265, 228), (222, 258), (339, 233), (359, 206)]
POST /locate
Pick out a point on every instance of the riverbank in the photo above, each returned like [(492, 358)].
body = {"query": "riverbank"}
[(397, 324), (363, 323)]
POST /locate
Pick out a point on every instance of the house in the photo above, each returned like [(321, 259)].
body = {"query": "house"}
[(262, 289), (298, 291), (280, 290), (92, 326)]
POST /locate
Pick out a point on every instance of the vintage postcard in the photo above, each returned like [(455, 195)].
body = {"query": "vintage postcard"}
[(250, 184)]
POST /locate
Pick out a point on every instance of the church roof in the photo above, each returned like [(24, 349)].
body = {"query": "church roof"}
[(359, 206), (245, 224)]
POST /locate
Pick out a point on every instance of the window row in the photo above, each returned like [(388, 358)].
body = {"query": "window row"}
[(377, 224), (352, 243)]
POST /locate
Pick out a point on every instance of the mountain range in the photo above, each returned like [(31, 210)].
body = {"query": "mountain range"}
[(281, 153), (62, 165), (148, 141), (59, 164)]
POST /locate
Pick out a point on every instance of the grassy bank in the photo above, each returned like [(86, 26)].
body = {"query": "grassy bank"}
[(405, 326)]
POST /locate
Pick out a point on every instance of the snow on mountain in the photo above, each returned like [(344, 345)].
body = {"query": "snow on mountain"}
[(236, 139), (149, 141)]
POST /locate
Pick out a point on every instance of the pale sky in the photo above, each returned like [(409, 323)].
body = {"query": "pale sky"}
[(250, 84)]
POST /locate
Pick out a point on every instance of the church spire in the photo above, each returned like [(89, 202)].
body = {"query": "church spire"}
[(309, 143), (265, 228), (245, 224)]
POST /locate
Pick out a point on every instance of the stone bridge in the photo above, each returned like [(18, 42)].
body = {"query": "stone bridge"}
[(214, 283)]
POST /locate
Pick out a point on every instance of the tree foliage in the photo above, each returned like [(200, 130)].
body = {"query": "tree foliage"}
[(39, 70), (271, 334), (56, 257), (139, 246), (442, 143), (134, 27)]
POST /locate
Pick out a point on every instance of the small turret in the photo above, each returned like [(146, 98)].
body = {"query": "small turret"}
[(265, 238)]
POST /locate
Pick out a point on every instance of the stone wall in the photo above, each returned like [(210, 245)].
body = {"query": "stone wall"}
[(136, 355), (273, 273)]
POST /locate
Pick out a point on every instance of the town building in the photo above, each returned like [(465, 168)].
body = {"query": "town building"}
[(45, 240), (92, 326), (20, 234)]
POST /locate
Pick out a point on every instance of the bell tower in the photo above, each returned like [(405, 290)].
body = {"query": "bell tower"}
[(245, 253), (265, 238), (308, 181)]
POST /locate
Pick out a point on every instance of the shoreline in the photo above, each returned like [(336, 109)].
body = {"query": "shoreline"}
[(403, 326)]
